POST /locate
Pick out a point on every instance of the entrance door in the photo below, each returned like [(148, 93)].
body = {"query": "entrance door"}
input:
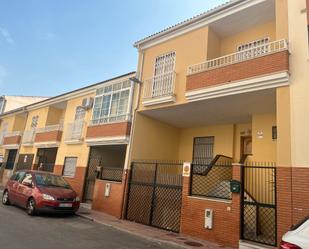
[(11, 159), (46, 159), (155, 194), (259, 221), (93, 163)]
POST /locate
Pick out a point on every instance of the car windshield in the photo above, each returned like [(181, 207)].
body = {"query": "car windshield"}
[(51, 181)]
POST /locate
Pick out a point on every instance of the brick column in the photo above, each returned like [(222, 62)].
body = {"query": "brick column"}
[(236, 201), (284, 200)]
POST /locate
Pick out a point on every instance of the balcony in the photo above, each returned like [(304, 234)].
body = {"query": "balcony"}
[(28, 138), (74, 132), (159, 89), (12, 140), (256, 68), (48, 136), (107, 130)]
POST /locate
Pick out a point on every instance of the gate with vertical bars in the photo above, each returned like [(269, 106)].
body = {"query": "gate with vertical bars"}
[(155, 194)]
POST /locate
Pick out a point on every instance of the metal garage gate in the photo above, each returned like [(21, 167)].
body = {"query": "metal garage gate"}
[(155, 194)]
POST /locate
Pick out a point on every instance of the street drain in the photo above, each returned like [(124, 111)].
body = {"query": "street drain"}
[(193, 243)]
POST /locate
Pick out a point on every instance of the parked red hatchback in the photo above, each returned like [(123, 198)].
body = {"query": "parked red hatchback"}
[(39, 191)]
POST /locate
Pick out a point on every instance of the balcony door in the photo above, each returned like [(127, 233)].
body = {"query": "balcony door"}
[(78, 124), (163, 74)]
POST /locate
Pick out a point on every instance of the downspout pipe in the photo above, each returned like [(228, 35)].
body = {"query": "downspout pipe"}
[(129, 150)]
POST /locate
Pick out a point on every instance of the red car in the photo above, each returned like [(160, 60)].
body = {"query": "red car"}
[(39, 191)]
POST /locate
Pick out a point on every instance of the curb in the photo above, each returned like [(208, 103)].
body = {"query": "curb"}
[(159, 241)]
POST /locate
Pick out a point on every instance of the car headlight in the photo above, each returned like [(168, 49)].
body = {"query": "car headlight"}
[(76, 198), (48, 197)]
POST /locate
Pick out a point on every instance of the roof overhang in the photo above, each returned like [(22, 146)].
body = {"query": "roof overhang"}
[(212, 17)]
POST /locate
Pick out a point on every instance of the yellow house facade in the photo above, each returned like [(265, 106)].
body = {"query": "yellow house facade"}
[(231, 85), (207, 138), (74, 135)]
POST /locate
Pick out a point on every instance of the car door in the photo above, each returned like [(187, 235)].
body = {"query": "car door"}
[(24, 190), (13, 186)]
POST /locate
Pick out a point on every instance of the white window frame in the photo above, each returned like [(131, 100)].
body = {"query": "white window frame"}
[(247, 51), (70, 175), (124, 85), (159, 78), (34, 122), (2, 104)]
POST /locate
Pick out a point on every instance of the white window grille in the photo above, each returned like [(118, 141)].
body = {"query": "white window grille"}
[(112, 103), (70, 166), (34, 122), (164, 66), (2, 104)]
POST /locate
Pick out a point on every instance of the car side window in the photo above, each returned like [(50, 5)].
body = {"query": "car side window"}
[(27, 180), (17, 176), (13, 177)]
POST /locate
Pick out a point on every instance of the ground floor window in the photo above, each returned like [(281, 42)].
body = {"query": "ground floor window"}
[(203, 149), (69, 166)]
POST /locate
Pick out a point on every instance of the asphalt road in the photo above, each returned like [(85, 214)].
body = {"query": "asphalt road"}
[(20, 231)]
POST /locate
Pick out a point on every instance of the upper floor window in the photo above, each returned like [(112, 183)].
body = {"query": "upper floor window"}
[(2, 104), (112, 103), (253, 44), (164, 64), (34, 122), (163, 75), (253, 49), (80, 113)]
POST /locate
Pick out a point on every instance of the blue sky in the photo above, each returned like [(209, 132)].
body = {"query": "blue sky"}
[(48, 47)]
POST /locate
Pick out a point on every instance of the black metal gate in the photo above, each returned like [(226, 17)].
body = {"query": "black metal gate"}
[(259, 213), (155, 194), (91, 175)]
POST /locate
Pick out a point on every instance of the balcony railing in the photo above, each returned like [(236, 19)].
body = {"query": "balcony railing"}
[(74, 131), (248, 54), (160, 86), (28, 137), (111, 119), (13, 134), (49, 128)]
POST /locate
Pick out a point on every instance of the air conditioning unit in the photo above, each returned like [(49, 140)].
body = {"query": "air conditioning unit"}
[(87, 103)]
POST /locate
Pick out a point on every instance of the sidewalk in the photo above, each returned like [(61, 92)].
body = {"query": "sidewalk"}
[(146, 232)]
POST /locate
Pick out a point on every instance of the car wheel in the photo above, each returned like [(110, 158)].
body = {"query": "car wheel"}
[(31, 207), (5, 198)]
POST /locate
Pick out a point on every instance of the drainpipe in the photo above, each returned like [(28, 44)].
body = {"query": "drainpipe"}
[(129, 149)]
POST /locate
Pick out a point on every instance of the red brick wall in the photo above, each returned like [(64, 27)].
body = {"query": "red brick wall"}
[(264, 65), (226, 223), (112, 204), (76, 182), (58, 169), (292, 197), (12, 140), (48, 136), (109, 130)]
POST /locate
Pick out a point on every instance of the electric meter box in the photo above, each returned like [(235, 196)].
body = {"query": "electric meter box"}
[(235, 186), (208, 218)]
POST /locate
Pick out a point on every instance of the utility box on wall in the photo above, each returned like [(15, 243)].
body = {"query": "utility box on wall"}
[(107, 190), (208, 218)]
